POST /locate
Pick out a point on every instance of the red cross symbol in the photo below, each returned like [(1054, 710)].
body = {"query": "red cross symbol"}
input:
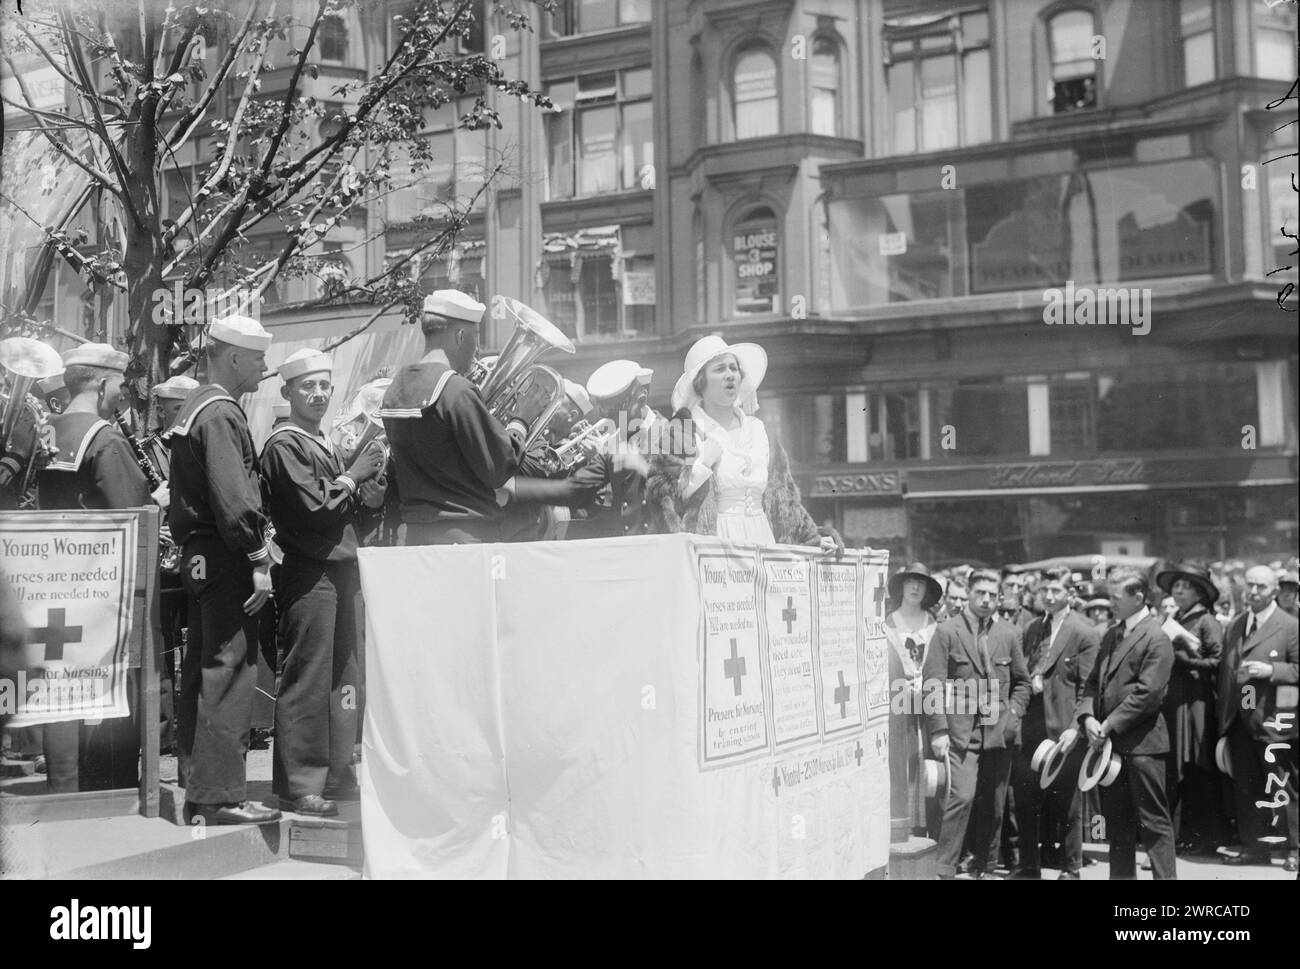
[(841, 695), (54, 635), (733, 669), (789, 614)]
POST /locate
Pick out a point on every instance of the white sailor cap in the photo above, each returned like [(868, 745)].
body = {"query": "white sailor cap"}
[(615, 377), (96, 355), (305, 361), (240, 331), (452, 304), (578, 396), (51, 384), (175, 388)]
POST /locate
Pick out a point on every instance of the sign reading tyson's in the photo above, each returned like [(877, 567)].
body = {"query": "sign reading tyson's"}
[(73, 575)]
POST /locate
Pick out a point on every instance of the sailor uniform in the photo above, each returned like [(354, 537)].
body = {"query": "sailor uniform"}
[(450, 455), (313, 506), (216, 517), (94, 469)]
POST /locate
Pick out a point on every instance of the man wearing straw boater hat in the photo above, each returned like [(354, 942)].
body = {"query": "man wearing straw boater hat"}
[(216, 517), (316, 507), (1120, 712), (449, 453), (1060, 652), (1257, 721), (94, 468)]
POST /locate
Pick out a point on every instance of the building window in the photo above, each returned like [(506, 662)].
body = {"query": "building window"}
[(599, 283), (940, 87), (755, 105), (894, 426), (460, 267), (756, 259), (811, 427), (1000, 412), (1194, 406), (1275, 40), (600, 137), (447, 166), (332, 39), (585, 16), (824, 116), (1074, 71), (1196, 19)]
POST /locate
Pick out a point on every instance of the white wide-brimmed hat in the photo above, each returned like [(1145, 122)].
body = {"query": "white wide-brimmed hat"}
[(751, 357)]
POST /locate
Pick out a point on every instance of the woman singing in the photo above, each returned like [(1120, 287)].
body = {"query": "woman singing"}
[(739, 485)]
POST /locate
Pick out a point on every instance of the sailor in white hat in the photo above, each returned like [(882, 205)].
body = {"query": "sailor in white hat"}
[(316, 507), (216, 517), (450, 454), (94, 468), (169, 397)]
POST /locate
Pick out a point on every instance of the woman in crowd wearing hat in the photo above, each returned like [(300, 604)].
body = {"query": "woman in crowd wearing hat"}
[(1099, 610), (1189, 707), (908, 630), (739, 485)]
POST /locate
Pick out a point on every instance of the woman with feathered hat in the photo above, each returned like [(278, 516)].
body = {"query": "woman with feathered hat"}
[(1189, 707), (738, 486)]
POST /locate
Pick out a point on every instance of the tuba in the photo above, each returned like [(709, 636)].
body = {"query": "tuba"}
[(519, 392), (24, 361), (359, 424)]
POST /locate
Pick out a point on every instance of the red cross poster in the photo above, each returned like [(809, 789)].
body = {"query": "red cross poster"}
[(74, 577), (734, 715), (875, 682), (787, 601), (839, 645)]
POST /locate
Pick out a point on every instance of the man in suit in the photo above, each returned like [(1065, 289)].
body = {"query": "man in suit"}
[(1060, 653), (1288, 587), (975, 656), (1121, 703), (1257, 715), (1013, 591)]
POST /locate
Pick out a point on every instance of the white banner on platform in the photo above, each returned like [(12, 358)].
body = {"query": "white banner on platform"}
[(74, 577), (665, 707)]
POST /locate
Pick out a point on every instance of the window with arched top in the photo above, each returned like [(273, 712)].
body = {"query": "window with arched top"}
[(332, 39), (755, 250), (755, 103), (1070, 36), (824, 81)]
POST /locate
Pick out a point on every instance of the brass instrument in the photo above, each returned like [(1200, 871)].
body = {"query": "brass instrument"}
[(584, 441), (24, 361), (519, 392)]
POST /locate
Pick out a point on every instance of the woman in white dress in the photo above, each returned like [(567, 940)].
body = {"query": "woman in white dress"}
[(738, 486)]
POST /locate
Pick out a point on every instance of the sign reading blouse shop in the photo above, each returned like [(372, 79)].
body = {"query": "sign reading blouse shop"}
[(755, 248)]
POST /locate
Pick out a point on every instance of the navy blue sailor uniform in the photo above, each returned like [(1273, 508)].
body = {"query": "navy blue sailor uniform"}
[(316, 514), (450, 455), (216, 517), (94, 469)]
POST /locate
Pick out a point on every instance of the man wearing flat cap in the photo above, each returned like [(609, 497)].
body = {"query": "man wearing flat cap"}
[(94, 468), (450, 454), (216, 517), (317, 508)]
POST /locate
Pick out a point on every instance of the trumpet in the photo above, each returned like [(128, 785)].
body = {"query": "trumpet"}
[(584, 441)]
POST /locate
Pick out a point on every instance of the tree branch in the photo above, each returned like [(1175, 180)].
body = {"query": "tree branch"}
[(185, 125), (286, 114), (79, 67)]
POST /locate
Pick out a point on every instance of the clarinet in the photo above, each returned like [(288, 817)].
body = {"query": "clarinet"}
[(142, 459)]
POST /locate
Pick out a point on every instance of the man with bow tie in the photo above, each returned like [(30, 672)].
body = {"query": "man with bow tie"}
[(1121, 703), (976, 655), (1257, 719), (1061, 653)]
